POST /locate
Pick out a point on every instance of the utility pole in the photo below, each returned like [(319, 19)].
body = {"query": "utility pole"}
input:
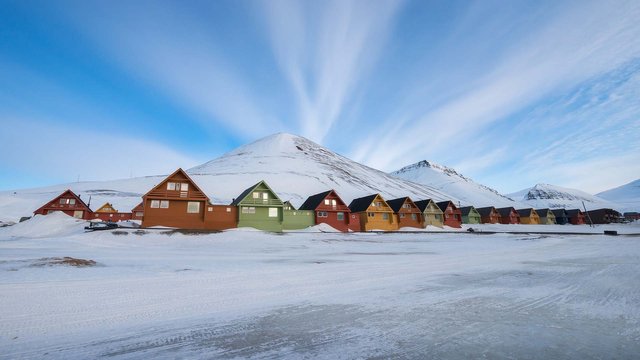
[(587, 214)]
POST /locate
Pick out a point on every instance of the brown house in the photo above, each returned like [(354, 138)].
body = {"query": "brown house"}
[(604, 216), (69, 203), (508, 215), (137, 212), (407, 213), (107, 212), (452, 215), (178, 202), (330, 209), (576, 216), (489, 215)]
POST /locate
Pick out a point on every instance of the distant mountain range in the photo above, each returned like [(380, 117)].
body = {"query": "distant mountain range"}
[(295, 168), (552, 196)]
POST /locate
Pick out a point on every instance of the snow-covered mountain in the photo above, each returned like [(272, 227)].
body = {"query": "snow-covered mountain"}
[(293, 166), (627, 195), (450, 181), (552, 196)]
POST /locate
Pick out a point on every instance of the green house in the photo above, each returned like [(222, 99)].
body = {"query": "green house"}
[(259, 207), (470, 215)]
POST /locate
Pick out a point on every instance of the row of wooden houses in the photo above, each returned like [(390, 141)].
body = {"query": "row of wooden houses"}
[(178, 202)]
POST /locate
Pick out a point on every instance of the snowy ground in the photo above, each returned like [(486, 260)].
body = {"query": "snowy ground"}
[(316, 295)]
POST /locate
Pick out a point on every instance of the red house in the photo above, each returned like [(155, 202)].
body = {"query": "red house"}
[(69, 203), (108, 213), (137, 212), (576, 217), (508, 215), (452, 215), (330, 209)]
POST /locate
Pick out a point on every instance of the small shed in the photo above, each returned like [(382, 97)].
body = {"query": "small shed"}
[(562, 218), (331, 210), (69, 203), (489, 215), (546, 216), (374, 213), (529, 216), (452, 215), (431, 213), (406, 212), (259, 207), (508, 215)]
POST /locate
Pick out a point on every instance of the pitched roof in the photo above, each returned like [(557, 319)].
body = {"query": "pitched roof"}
[(525, 212), (505, 211), (314, 201), (485, 211), (542, 211), (559, 212), (466, 210), (68, 191), (396, 204), (422, 204), (443, 204), (362, 204), (573, 212), (184, 173), (248, 190)]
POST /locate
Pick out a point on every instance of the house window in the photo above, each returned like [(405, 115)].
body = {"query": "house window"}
[(379, 203), (68, 201), (326, 202), (273, 212), (340, 216), (414, 217), (184, 187), (401, 216), (407, 206), (228, 209), (193, 207), (209, 208), (171, 186), (265, 197), (333, 202), (155, 204), (78, 214), (248, 210), (256, 195), (322, 214), (385, 216), (139, 214), (164, 204), (371, 214)]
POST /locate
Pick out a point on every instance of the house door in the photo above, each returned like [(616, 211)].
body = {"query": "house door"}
[(78, 214)]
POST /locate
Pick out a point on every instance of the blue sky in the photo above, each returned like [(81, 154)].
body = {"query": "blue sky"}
[(510, 93)]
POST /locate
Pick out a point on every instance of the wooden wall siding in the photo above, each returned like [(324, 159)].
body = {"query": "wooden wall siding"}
[(175, 216), (68, 203), (489, 215), (378, 216), (576, 217), (220, 217), (261, 188), (452, 215), (471, 219), (509, 217), (260, 218), (529, 217), (193, 192), (433, 215), (137, 213), (112, 216), (546, 216), (298, 219), (604, 216)]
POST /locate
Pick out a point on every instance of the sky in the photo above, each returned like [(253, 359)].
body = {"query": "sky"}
[(509, 93)]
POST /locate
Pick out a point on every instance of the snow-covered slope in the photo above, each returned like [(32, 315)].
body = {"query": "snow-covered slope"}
[(450, 181), (628, 196), (293, 166), (552, 196)]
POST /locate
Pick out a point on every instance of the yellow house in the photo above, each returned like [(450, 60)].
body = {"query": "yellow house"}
[(374, 213), (529, 216)]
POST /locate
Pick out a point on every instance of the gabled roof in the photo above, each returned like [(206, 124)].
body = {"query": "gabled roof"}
[(182, 172), (288, 203), (139, 207), (422, 204), (314, 201), (525, 212), (573, 212), (559, 212), (396, 204), (444, 204), (361, 204), (466, 210), (64, 194), (486, 211), (505, 211), (542, 211), (107, 207), (246, 193)]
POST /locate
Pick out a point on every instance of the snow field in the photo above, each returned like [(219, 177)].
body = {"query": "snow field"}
[(244, 294)]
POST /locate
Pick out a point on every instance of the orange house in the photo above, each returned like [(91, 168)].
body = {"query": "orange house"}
[(69, 203), (407, 213), (178, 202), (374, 213), (108, 213)]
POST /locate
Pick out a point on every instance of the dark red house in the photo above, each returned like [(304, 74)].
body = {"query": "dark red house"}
[(137, 212), (407, 213), (576, 216), (508, 215), (330, 209), (489, 215), (69, 203), (452, 215)]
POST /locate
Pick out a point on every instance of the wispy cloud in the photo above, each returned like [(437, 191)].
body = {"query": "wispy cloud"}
[(325, 52)]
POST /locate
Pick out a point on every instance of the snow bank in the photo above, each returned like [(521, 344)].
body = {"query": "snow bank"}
[(56, 224), (325, 228)]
